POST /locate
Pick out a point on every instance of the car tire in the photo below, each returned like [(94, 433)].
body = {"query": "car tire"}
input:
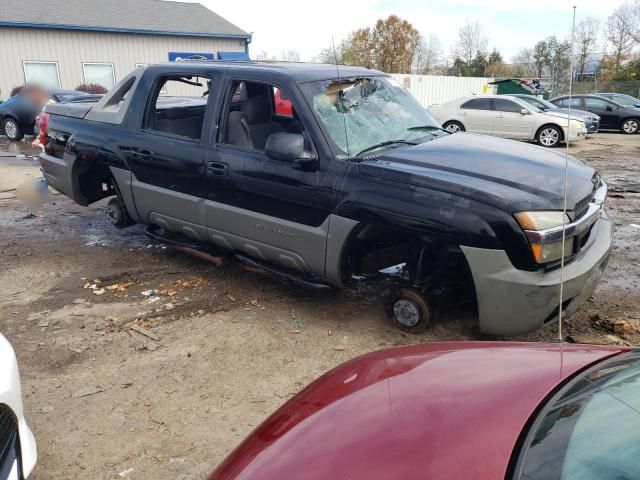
[(453, 127), (117, 213), (630, 126), (549, 136), (410, 311), (12, 129)]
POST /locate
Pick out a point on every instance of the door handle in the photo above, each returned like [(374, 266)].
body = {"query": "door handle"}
[(143, 154), (218, 169), (499, 116)]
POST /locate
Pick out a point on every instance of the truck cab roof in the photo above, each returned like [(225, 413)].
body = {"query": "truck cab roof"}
[(301, 72)]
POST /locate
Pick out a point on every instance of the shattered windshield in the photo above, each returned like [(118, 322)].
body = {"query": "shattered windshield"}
[(363, 114)]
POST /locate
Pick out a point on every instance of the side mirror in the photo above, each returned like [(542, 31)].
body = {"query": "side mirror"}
[(609, 108), (289, 147), (524, 111)]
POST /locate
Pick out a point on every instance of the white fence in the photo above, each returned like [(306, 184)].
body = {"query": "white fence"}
[(435, 89)]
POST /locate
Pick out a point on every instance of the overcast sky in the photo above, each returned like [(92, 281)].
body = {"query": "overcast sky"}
[(308, 26)]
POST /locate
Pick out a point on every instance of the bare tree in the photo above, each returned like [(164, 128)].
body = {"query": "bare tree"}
[(523, 64), (330, 55), (633, 20), (620, 32), (586, 40), (428, 56), (471, 40)]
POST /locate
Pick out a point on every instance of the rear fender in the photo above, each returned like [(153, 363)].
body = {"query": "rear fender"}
[(81, 169)]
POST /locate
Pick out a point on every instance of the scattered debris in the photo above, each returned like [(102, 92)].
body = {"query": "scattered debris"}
[(635, 225), (75, 349), (624, 327), (46, 409), (339, 349), (126, 473), (137, 328), (617, 340), (148, 293), (85, 392), (119, 287), (99, 291)]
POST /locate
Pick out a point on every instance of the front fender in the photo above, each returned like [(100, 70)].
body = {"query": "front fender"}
[(439, 215)]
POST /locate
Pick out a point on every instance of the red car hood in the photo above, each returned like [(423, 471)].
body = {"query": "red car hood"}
[(441, 411)]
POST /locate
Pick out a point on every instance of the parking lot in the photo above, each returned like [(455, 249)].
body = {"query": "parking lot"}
[(141, 360)]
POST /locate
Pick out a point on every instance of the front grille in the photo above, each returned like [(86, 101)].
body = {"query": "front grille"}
[(8, 429), (582, 206)]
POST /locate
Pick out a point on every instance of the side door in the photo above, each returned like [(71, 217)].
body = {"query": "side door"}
[(573, 102), (268, 209), (608, 111), (476, 115), (168, 153), (509, 122)]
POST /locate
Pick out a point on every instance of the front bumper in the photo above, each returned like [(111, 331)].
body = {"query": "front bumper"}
[(24, 445), (576, 135), (512, 301)]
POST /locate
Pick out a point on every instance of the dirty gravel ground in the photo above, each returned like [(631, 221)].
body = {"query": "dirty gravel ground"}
[(229, 345)]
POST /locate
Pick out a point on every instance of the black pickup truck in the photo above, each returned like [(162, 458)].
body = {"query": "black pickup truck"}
[(357, 179)]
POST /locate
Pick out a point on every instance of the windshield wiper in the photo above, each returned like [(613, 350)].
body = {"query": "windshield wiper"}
[(384, 144), (427, 128)]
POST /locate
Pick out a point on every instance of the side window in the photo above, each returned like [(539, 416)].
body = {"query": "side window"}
[(503, 105), (533, 101), (254, 111), (562, 444), (566, 102), (477, 104), (112, 107), (181, 110), (283, 103), (596, 103)]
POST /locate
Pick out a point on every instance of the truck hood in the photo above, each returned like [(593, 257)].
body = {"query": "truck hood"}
[(509, 175)]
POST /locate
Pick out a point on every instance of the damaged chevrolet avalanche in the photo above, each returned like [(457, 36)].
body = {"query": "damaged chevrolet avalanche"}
[(356, 179)]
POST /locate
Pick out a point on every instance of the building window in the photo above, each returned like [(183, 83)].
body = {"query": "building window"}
[(44, 74), (99, 74)]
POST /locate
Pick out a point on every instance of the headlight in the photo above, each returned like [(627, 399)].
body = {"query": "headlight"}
[(541, 220), (544, 220), (552, 252)]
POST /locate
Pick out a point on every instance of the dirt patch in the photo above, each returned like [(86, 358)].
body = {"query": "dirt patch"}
[(167, 383)]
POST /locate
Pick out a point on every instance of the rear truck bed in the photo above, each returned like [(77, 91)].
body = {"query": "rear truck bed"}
[(62, 167)]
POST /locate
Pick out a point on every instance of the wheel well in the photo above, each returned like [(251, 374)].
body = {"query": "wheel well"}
[(551, 125), (8, 115), (95, 180), (427, 261), (629, 118)]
